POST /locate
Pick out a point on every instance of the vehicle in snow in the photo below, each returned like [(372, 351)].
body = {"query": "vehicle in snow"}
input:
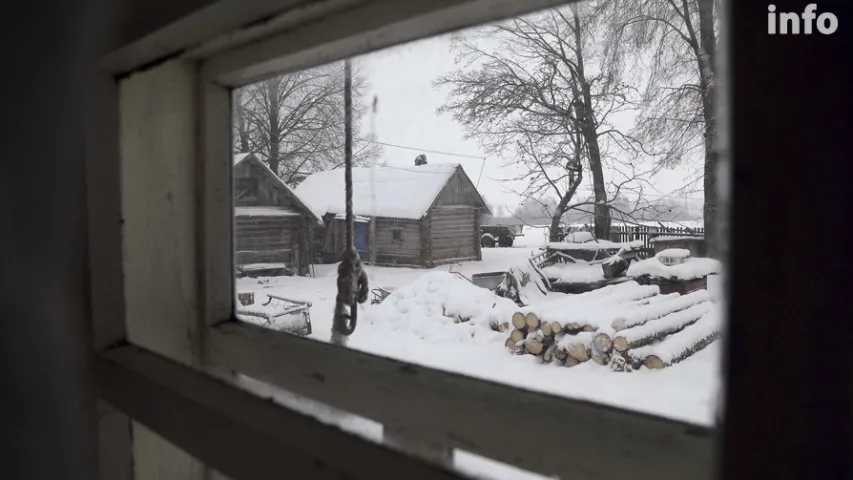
[(498, 235)]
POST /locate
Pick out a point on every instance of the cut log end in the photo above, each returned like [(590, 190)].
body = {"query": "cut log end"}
[(570, 362), (620, 344), (556, 328), (533, 346), (600, 359), (603, 342), (510, 344), (546, 328), (516, 336), (532, 321), (653, 362), (579, 353), (519, 320)]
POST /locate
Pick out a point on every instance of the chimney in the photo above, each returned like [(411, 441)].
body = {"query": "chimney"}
[(420, 160)]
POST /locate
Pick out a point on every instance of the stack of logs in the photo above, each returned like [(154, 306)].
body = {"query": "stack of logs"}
[(655, 332)]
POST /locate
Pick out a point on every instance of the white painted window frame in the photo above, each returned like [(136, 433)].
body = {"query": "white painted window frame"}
[(166, 329)]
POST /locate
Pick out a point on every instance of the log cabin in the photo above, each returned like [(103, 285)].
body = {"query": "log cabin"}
[(272, 226), (415, 216)]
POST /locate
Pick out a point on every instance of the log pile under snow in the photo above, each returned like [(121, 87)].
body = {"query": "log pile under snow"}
[(623, 326)]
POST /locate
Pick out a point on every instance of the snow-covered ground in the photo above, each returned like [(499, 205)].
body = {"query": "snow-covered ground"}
[(408, 327), (418, 324)]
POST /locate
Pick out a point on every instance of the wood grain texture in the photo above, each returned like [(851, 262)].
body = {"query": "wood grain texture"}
[(469, 413), (252, 437)]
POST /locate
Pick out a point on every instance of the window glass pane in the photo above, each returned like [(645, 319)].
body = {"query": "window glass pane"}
[(530, 203)]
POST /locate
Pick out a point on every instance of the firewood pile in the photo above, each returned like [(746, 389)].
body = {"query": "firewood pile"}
[(624, 327)]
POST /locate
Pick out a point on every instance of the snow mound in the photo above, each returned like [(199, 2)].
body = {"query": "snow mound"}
[(692, 268), (711, 324), (440, 307), (579, 272), (673, 253), (579, 237)]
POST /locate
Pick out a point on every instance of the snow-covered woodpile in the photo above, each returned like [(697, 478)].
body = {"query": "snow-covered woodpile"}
[(623, 326)]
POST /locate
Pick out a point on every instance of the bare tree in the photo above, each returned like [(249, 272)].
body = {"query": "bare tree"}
[(296, 122), (626, 201), (673, 44), (552, 172), (540, 93)]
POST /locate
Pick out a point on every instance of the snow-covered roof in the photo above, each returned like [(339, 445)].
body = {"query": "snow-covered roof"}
[(394, 192), (277, 182), (240, 157), (264, 212)]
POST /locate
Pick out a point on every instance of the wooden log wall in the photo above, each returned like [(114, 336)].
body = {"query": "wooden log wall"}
[(453, 234), (403, 250), (266, 239)]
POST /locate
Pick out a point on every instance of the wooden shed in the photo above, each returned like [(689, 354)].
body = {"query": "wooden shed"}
[(414, 216), (272, 226)]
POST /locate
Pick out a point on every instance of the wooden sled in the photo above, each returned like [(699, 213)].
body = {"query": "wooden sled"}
[(280, 313)]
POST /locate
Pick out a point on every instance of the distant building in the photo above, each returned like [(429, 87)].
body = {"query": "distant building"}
[(419, 216), (273, 227)]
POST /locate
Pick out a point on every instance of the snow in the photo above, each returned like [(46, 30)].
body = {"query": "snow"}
[(534, 236), (264, 212), (240, 157), (263, 315), (599, 245), (591, 307), (692, 268), (443, 299), (673, 321), (671, 346), (397, 192), (357, 218), (248, 267), (580, 272), (579, 237), (417, 331), (534, 290), (715, 287), (655, 309), (274, 178), (582, 338), (673, 253)]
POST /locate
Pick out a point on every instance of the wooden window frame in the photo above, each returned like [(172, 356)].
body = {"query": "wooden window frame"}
[(192, 335), (397, 235)]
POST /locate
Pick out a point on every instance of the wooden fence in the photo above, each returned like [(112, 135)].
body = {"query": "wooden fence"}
[(629, 233)]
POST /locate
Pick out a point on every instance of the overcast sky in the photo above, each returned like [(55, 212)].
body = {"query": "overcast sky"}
[(400, 78)]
